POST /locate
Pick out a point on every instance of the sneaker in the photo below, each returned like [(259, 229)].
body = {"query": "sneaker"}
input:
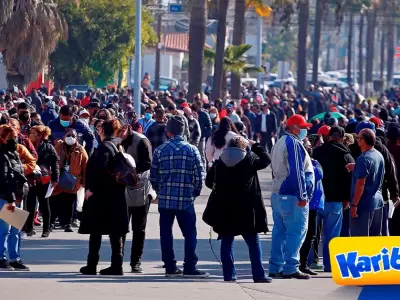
[(75, 224), (196, 274), (316, 266), (110, 271), (308, 271), (276, 275), (137, 269), (31, 232), (264, 280), (176, 273), (86, 270), (68, 228), (45, 234), (297, 275), (19, 266), (5, 265)]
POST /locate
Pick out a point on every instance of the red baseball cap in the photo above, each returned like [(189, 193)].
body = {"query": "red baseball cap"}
[(324, 130), (298, 120), (378, 122)]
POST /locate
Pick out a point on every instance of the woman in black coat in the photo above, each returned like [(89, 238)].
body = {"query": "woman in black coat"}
[(105, 210), (238, 207)]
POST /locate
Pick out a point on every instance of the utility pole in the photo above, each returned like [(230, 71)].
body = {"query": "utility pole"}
[(259, 50), (138, 56), (158, 51)]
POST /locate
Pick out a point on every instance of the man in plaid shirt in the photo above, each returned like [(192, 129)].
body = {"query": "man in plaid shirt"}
[(177, 176)]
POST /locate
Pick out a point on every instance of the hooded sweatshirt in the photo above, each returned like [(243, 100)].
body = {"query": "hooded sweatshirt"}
[(333, 158)]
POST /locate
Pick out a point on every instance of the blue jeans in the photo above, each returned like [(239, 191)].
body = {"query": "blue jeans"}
[(288, 234), (345, 232), (332, 217), (254, 245), (10, 239), (187, 223), (368, 223)]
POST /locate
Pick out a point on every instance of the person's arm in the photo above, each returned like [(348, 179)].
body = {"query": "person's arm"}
[(88, 137), (207, 125), (390, 175), (210, 177), (27, 159), (84, 162), (28, 144), (263, 159), (257, 122), (198, 172), (6, 179), (144, 156), (296, 177), (154, 171), (274, 125), (361, 171), (358, 191), (196, 134), (210, 150), (55, 169)]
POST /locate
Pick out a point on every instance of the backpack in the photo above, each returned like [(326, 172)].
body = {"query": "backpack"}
[(123, 167)]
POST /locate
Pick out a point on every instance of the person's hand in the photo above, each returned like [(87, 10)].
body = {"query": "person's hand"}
[(353, 212), (346, 205), (302, 203), (350, 167), (11, 206), (54, 184), (259, 136), (88, 194), (251, 142), (154, 201)]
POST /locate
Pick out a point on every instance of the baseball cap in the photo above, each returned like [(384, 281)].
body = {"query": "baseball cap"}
[(84, 112), (298, 120), (229, 106), (337, 132), (324, 130), (365, 125), (378, 122)]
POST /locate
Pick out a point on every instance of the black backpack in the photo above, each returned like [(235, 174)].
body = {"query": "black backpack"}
[(123, 167)]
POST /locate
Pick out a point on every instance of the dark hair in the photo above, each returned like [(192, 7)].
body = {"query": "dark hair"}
[(160, 113), (369, 137), (23, 105), (218, 138), (66, 111), (111, 127)]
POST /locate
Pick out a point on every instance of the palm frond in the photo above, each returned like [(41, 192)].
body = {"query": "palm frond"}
[(240, 50), (209, 54)]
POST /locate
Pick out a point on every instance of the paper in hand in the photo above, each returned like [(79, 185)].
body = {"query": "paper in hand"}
[(50, 190), (16, 218)]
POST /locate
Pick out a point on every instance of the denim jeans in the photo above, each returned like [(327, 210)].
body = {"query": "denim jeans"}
[(187, 223), (10, 238), (345, 232), (368, 223), (288, 234), (255, 252), (332, 217)]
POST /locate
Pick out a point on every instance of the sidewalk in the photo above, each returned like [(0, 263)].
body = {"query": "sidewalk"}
[(55, 263)]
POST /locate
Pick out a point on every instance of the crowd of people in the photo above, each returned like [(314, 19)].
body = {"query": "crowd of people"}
[(333, 176)]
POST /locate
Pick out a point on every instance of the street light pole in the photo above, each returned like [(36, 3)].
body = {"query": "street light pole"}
[(138, 56), (259, 50)]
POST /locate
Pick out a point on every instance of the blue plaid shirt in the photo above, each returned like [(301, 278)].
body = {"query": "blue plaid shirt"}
[(176, 174)]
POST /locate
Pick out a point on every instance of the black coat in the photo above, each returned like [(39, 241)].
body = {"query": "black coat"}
[(239, 207), (106, 211), (271, 123)]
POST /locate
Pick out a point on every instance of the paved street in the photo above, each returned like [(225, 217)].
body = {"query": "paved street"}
[(55, 263)]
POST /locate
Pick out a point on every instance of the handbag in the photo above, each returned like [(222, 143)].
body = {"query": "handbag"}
[(67, 180), (209, 214)]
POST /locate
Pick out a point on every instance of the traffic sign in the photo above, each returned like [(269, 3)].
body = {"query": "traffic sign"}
[(175, 8)]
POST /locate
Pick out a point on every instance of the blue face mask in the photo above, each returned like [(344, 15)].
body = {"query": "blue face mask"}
[(147, 116), (65, 123), (91, 128), (302, 134)]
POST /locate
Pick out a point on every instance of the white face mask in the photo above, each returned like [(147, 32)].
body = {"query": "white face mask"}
[(86, 121), (69, 140), (213, 115)]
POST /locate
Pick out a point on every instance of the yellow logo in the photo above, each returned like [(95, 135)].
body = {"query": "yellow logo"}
[(365, 260)]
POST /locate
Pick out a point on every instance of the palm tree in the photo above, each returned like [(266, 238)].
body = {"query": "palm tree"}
[(304, 10), (29, 33), (241, 6), (235, 62), (220, 49), (320, 4), (197, 38)]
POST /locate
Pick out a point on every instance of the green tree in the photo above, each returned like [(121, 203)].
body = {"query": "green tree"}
[(29, 32), (235, 62), (101, 39)]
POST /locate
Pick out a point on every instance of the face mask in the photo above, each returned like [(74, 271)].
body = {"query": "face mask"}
[(118, 140), (91, 128), (86, 121), (24, 116), (190, 117), (302, 134), (12, 145), (65, 123), (69, 140), (147, 116), (213, 115)]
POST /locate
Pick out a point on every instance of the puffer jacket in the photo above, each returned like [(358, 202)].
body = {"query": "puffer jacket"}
[(317, 200)]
